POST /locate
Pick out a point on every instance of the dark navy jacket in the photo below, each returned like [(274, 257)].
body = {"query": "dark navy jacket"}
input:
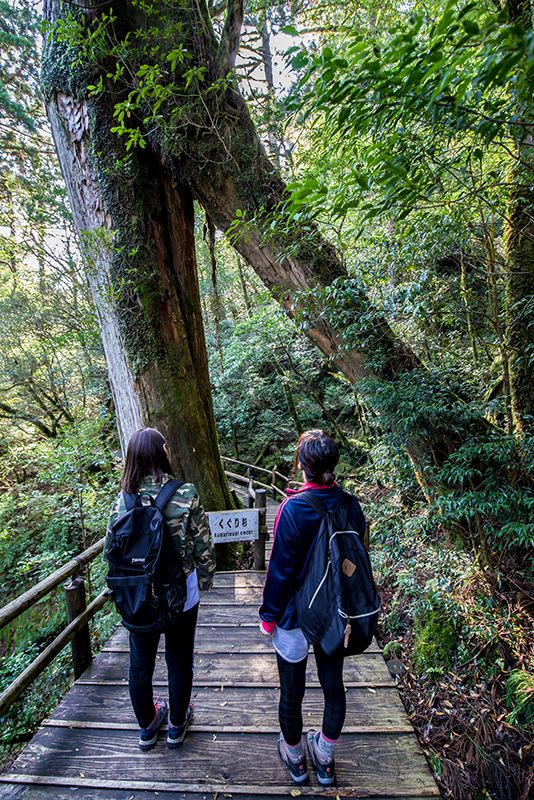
[(295, 530)]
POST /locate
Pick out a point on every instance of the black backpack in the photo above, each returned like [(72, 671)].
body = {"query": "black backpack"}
[(145, 569), (337, 601)]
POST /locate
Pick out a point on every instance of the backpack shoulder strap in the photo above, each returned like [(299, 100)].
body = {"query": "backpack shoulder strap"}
[(344, 505), (166, 492), (131, 500), (314, 502)]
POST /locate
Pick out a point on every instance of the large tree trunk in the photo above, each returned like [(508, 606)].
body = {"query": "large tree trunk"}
[(135, 223), (202, 136)]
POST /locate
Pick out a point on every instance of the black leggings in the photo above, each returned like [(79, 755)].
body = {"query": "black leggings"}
[(179, 644), (293, 685)]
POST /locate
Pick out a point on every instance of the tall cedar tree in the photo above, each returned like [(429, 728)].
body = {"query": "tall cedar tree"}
[(164, 80)]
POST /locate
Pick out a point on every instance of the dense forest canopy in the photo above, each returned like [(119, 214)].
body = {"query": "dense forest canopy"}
[(237, 222)]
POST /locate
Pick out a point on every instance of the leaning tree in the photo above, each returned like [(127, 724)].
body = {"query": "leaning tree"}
[(147, 115)]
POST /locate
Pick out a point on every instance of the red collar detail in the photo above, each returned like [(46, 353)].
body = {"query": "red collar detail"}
[(309, 485)]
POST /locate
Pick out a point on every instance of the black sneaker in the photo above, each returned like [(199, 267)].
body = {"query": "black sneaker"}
[(324, 771), (149, 736), (298, 770), (176, 733)]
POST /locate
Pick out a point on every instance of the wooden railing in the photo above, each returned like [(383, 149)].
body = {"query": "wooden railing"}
[(248, 480), (257, 498), (76, 631), (79, 613)]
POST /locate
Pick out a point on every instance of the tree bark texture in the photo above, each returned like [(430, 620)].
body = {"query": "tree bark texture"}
[(136, 227)]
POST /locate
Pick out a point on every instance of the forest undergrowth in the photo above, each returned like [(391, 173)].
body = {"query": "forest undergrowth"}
[(462, 651)]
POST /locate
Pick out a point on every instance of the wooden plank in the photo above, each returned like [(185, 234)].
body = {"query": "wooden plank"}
[(239, 667), (227, 762), (56, 791), (243, 578), (236, 598), (236, 595), (220, 647), (211, 639), (234, 706), (370, 685), (273, 729), (225, 613)]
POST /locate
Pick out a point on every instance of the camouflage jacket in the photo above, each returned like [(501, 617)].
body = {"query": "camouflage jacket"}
[(188, 525)]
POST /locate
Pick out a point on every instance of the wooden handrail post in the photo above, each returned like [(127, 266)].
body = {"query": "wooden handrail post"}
[(259, 545), (250, 492), (15, 689), (273, 482), (81, 643)]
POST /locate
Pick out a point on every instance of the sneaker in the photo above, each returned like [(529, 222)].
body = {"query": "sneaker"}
[(324, 770), (149, 736), (298, 770), (176, 733)]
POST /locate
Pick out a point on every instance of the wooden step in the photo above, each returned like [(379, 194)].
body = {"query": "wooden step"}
[(239, 668), (377, 710), (224, 762)]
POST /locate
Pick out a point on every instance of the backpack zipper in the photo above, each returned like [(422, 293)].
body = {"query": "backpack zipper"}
[(320, 584)]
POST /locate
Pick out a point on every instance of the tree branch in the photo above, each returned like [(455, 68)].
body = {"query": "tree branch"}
[(12, 413), (229, 44), (216, 9)]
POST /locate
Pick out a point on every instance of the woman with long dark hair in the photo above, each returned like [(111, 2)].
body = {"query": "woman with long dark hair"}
[(146, 470), (296, 526)]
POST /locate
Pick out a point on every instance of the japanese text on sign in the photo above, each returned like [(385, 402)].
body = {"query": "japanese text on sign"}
[(234, 526)]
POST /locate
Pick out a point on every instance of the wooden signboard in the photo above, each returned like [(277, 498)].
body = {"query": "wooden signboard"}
[(234, 526)]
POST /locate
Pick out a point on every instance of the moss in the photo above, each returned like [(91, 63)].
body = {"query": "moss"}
[(392, 649), (435, 642), (63, 68), (125, 197)]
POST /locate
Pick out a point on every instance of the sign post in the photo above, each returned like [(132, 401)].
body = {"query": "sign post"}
[(234, 526)]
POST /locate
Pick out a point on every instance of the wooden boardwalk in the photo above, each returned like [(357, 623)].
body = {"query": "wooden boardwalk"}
[(88, 749)]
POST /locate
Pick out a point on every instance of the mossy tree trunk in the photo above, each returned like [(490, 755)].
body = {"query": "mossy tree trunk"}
[(200, 135), (203, 132), (136, 228)]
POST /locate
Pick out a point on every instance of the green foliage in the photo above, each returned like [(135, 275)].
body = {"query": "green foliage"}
[(422, 103), (262, 392), (435, 642), (17, 88), (392, 649), (520, 699)]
